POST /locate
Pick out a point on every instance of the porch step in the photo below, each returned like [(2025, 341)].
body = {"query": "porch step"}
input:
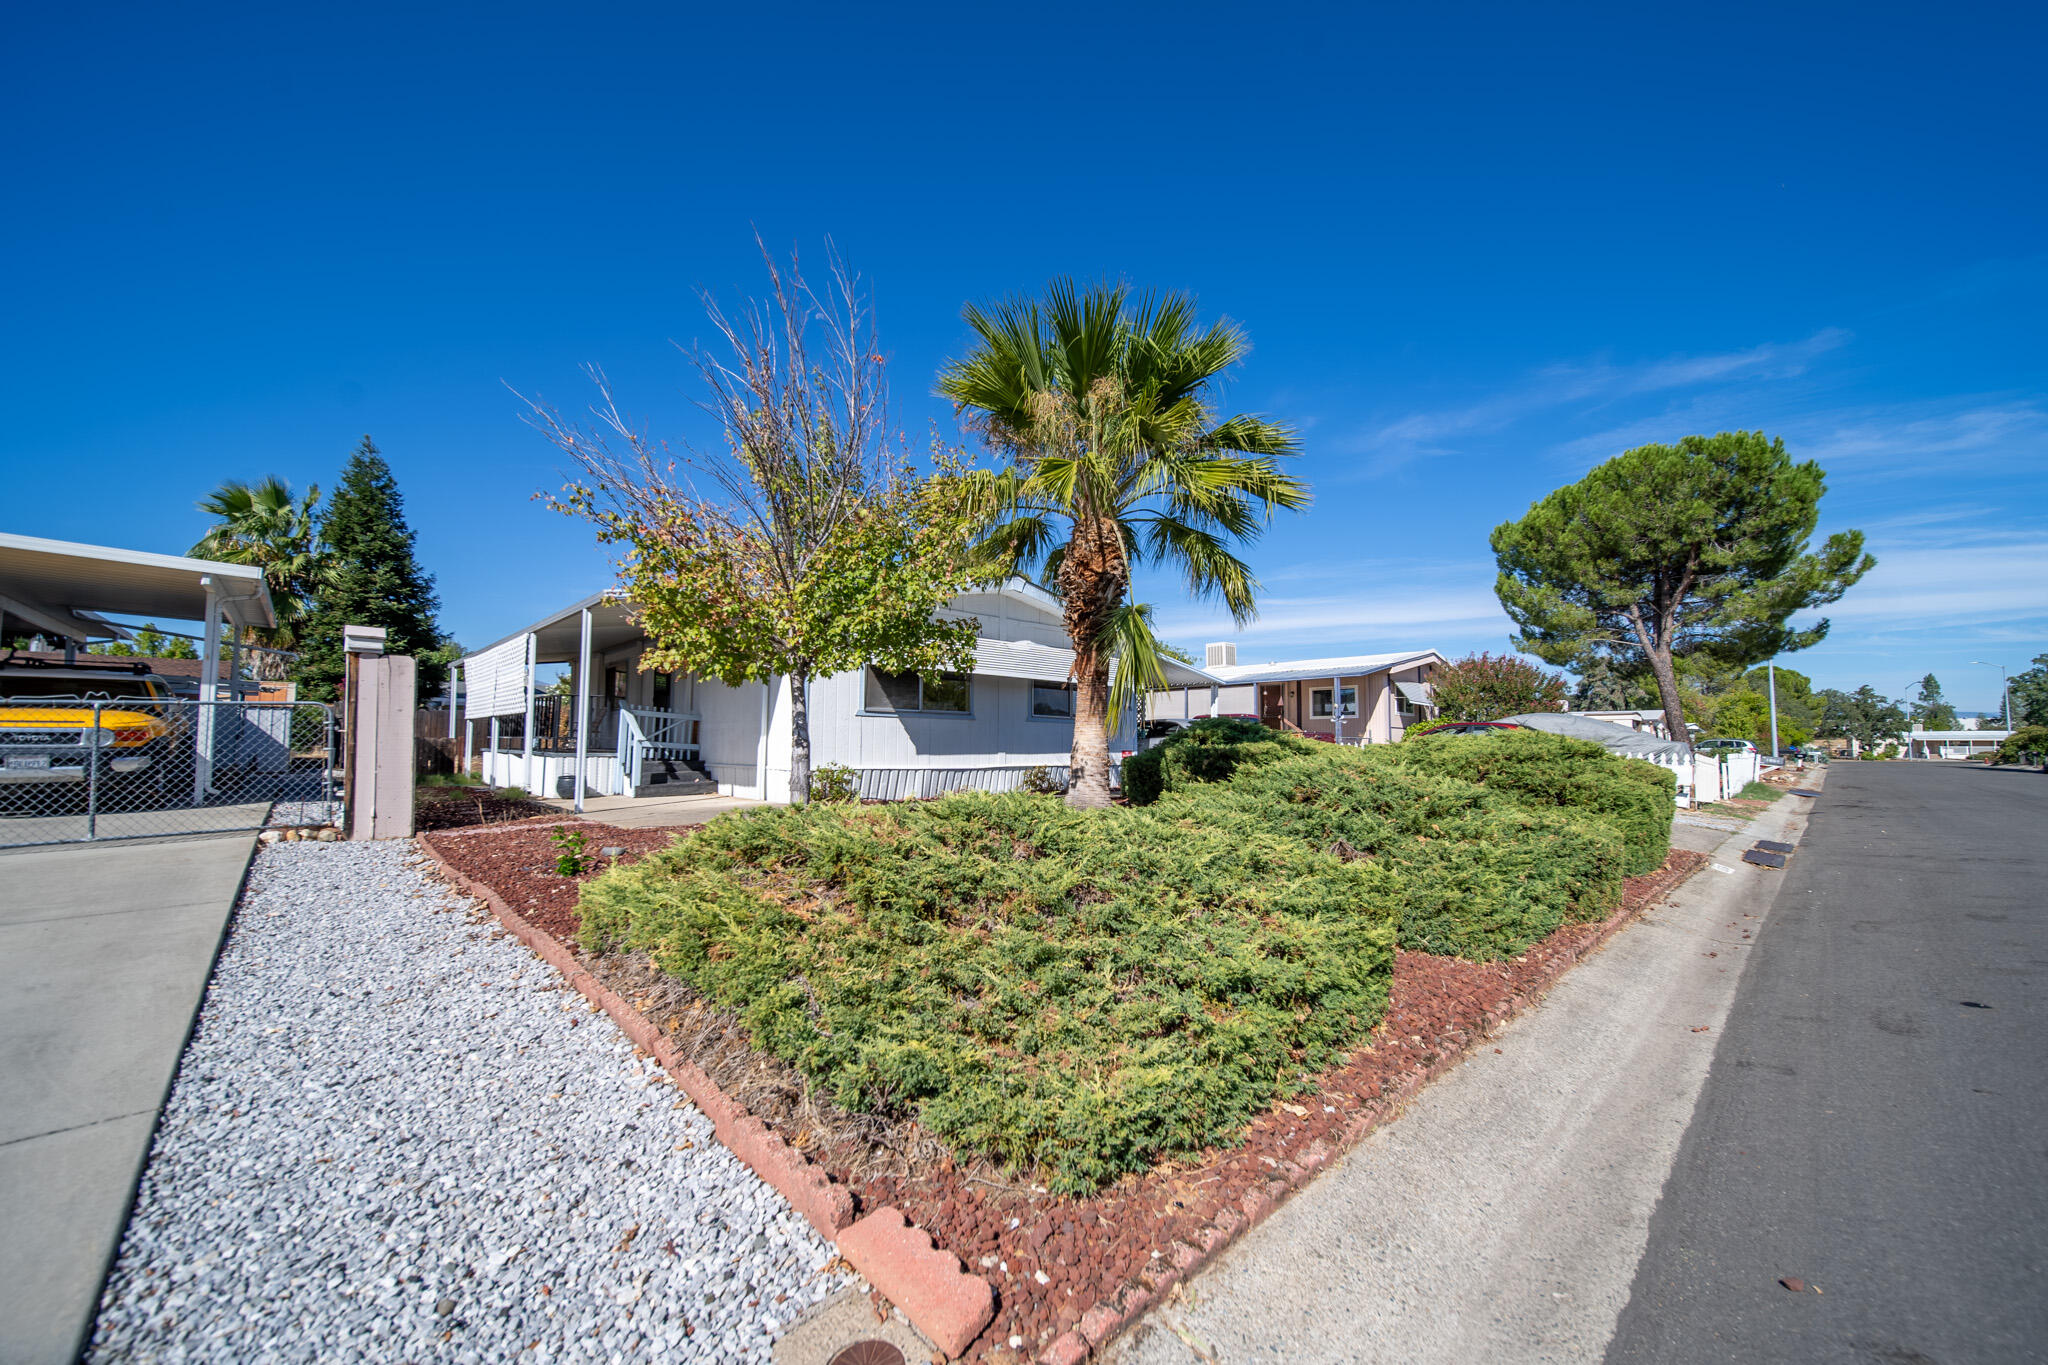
[(683, 785)]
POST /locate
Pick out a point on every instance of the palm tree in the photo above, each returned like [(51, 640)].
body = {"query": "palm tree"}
[(1100, 401), (264, 526)]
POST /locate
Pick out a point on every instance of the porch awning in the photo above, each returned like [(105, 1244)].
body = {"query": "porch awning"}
[(1047, 663), (1023, 659), (1419, 693), (495, 680)]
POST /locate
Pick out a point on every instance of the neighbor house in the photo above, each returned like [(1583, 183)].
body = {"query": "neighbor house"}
[(1961, 743), (1359, 698), (656, 733)]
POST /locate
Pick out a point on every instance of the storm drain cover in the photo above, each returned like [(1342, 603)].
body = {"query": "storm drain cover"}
[(1801, 791), (1764, 859), (868, 1352), (1773, 846)]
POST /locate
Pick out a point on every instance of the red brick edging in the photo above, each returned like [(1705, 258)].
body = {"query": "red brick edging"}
[(1106, 1319), (897, 1257)]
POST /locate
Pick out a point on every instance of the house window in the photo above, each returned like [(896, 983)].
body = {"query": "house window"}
[(912, 691), (1319, 702), (1052, 701)]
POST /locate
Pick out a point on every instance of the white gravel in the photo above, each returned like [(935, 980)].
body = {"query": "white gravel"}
[(396, 1136)]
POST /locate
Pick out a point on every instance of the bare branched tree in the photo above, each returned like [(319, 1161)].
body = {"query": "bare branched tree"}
[(803, 544)]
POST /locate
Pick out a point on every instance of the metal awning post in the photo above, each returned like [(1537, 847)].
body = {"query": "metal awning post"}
[(1337, 707), (582, 708), (526, 734), (209, 691)]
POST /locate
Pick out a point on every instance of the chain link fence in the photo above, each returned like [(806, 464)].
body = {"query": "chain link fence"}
[(135, 767)]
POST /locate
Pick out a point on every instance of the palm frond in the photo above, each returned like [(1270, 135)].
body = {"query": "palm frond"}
[(1137, 664), (1208, 566)]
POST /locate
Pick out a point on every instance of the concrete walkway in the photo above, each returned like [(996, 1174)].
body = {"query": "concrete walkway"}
[(1501, 1218), (104, 955), (654, 812)]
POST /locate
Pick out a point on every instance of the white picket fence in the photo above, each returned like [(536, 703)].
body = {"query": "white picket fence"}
[(1703, 778)]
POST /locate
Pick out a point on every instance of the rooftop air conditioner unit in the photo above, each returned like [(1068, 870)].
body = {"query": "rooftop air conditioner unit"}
[(1222, 655)]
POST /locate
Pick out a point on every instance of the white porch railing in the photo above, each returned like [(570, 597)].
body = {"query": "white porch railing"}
[(647, 735)]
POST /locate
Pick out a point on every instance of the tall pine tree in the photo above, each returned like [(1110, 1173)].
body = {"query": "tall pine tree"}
[(369, 578)]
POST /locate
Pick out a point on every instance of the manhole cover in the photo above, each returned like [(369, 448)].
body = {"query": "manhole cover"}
[(1773, 846), (868, 1353), (1801, 791), (1764, 859)]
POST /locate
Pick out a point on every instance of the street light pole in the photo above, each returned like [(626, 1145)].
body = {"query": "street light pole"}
[(1771, 673)]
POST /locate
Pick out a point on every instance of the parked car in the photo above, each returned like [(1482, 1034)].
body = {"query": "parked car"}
[(1725, 746), (1153, 733), (51, 735)]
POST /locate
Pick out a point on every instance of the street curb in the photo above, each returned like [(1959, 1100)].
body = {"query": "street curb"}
[(1105, 1320), (931, 1286)]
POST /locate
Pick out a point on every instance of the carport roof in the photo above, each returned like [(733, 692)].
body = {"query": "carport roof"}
[(57, 586)]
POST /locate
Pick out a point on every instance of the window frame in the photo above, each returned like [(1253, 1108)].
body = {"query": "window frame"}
[(966, 681), (1351, 707), (1031, 703)]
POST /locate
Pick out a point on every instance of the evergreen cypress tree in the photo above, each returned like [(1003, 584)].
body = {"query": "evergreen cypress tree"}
[(369, 578)]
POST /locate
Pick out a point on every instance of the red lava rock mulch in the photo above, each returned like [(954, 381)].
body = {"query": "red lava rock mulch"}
[(1068, 1272), (466, 807), (518, 862)]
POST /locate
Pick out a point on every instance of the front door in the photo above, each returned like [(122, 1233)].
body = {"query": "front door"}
[(1273, 705)]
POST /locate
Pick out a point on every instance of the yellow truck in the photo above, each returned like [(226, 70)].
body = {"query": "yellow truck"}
[(97, 723)]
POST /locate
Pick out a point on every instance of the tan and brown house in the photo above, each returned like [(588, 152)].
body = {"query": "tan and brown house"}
[(1358, 699)]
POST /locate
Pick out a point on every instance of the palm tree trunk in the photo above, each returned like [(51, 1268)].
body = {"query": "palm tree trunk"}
[(1092, 580), (1088, 763)]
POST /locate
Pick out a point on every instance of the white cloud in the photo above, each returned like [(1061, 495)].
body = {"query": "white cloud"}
[(1422, 434), (1949, 586), (1886, 439)]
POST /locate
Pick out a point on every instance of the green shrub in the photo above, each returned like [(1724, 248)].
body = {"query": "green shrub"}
[(572, 853), (834, 784), (1039, 781), (2024, 745), (1495, 840), (1475, 875), (1209, 750), (1080, 992), (1537, 769)]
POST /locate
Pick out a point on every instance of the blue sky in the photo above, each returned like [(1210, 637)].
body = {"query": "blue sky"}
[(1476, 253)]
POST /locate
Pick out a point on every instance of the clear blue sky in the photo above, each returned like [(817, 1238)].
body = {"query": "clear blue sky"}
[(1476, 250)]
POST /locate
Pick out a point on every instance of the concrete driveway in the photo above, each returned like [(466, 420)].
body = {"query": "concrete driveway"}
[(105, 950)]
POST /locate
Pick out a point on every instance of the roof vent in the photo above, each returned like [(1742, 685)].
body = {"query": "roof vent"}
[(1222, 655)]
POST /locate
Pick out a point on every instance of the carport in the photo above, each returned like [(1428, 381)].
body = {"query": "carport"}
[(62, 588), (107, 949)]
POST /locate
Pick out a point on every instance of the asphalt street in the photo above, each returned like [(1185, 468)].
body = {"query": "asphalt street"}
[(1874, 1124)]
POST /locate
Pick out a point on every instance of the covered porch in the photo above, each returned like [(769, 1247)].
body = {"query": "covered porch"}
[(1348, 708), (626, 732)]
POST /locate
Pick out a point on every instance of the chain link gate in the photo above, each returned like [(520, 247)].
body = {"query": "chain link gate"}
[(75, 769)]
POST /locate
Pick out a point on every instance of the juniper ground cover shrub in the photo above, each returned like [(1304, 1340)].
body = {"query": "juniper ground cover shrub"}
[(1488, 843), (1080, 992), (1542, 770)]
